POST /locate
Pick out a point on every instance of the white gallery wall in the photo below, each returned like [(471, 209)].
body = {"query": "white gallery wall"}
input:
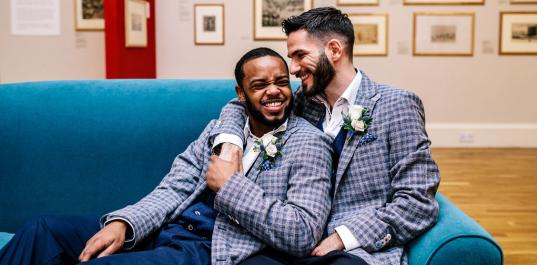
[(70, 55), (484, 100)]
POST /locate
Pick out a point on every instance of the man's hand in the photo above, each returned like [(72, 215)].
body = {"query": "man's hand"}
[(106, 242), (329, 244), (227, 151), (220, 171)]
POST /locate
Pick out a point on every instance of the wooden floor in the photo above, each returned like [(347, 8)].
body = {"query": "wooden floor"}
[(498, 188)]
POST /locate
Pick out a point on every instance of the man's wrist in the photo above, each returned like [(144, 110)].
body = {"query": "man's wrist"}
[(349, 241)]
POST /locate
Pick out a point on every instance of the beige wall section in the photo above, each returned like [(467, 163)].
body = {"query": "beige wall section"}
[(71, 55), (484, 100)]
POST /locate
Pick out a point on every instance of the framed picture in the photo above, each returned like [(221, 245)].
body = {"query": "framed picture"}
[(209, 24), (443, 2), (136, 23), (89, 14), (443, 34), (357, 2), (269, 15), (370, 34), (518, 33)]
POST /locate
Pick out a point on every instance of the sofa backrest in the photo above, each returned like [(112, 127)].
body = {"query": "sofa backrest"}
[(89, 147)]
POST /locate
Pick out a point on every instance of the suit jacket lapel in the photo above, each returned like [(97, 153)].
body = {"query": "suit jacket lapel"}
[(367, 97), (254, 171)]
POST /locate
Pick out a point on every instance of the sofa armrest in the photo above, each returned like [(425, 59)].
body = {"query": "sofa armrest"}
[(455, 239)]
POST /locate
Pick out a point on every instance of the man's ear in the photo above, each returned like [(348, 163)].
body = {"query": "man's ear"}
[(240, 93), (335, 49)]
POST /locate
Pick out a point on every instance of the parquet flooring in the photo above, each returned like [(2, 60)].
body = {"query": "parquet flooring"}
[(497, 188)]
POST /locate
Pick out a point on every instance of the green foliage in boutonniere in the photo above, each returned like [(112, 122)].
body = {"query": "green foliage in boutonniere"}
[(356, 121), (270, 148)]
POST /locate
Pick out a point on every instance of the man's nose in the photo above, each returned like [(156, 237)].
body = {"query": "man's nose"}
[(273, 90)]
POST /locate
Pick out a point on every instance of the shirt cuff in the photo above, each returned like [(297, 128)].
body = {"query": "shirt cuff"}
[(349, 241), (227, 138), (129, 235)]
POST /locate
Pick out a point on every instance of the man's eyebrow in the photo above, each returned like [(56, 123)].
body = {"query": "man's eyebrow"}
[(294, 53), (257, 80)]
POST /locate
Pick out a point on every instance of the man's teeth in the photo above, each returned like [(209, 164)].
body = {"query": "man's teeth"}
[(304, 77), (273, 104)]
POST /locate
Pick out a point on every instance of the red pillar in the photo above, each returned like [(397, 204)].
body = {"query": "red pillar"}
[(127, 62)]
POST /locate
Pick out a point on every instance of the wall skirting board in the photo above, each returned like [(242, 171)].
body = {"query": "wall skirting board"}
[(483, 134)]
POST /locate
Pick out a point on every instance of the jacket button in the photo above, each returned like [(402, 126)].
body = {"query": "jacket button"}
[(197, 213), (190, 227)]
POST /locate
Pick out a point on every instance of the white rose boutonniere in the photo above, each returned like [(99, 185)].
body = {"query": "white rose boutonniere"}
[(357, 120), (270, 147)]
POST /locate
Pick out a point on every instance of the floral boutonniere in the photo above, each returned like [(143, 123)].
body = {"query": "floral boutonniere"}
[(356, 121), (270, 147)]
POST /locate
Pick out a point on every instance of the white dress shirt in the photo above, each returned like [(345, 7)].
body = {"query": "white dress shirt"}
[(250, 153), (333, 120)]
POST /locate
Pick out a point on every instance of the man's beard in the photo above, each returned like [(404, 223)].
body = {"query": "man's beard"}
[(323, 75), (258, 116)]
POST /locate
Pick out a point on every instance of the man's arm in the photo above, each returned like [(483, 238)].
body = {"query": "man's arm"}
[(293, 225), (159, 206), (231, 130), (414, 181)]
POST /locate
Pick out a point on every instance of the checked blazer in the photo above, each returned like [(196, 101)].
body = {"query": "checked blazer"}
[(285, 207), (385, 180)]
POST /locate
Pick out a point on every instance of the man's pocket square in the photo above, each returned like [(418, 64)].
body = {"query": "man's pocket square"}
[(367, 138)]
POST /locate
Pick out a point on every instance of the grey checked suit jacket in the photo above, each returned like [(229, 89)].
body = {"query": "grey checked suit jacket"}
[(285, 207), (386, 179)]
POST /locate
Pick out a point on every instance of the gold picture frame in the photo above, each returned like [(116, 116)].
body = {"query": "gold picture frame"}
[(523, 2), (209, 24), (136, 23), (443, 34), (268, 17), (518, 33), (357, 2), (370, 34), (89, 15)]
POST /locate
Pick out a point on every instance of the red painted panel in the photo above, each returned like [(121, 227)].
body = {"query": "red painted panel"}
[(123, 62)]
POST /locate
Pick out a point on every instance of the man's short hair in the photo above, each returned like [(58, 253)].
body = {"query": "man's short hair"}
[(323, 23), (254, 54)]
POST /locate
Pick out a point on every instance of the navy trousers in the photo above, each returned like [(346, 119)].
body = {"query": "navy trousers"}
[(60, 240)]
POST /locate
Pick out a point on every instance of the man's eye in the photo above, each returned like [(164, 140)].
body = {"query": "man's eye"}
[(282, 83)]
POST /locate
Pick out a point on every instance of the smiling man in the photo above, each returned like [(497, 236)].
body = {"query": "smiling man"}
[(384, 176), (281, 200)]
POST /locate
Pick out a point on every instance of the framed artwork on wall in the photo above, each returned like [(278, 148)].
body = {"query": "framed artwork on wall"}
[(357, 2), (269, 14), (518, 33), (443, 34), (89, 15), (443, 2), (209, 24), (136, 23), (370, 34)]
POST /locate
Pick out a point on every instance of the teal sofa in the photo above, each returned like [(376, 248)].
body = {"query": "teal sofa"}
[(89, 147)]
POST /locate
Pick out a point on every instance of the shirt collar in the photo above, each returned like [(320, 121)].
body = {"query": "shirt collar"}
[(248, 132), (350, 92)]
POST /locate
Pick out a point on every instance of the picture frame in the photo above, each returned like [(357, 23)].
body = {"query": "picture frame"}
[(357, 2), (136, 23), (370, 34), (89, 15), (209, 24), (269, 14), (443, 2), (518, 33), (443, 34)]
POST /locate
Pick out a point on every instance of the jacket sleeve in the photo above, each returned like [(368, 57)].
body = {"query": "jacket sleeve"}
[(158, 207), (293, 225), (414, 180), (232, 120)]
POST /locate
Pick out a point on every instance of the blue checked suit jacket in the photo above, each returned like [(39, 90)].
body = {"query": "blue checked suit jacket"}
[(386, 178), (285, 207)]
